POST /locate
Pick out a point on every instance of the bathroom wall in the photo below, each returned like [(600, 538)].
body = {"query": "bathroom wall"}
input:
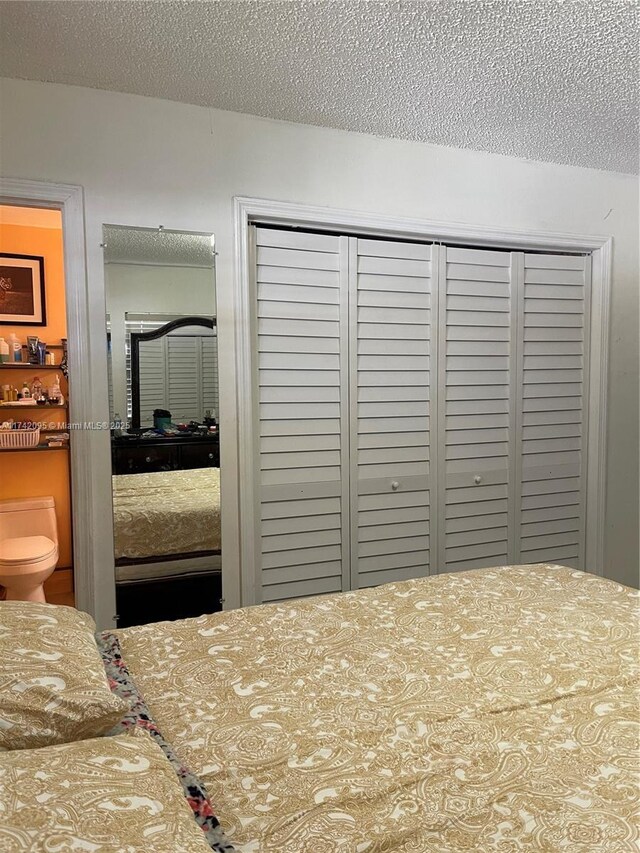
[(24, 474)]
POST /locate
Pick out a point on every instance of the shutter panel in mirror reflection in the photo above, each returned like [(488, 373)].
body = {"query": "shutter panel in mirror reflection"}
[(390, 349), (475, 411), (553, 379), (152, 369), (302, 412), (184, 378)]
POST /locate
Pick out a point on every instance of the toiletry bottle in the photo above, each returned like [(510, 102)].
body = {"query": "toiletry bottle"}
[(26, 391), (56, 392), (32, 349), (15, 348), (4, 350), (36, 388), (6, 394)]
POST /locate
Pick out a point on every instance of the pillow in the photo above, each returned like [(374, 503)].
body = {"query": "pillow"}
[(107, 795), (53, 686)]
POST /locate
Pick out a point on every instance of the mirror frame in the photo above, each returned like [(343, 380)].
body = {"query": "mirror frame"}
[(137, 337)]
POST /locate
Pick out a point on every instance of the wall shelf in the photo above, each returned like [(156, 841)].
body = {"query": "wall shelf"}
[(39, 448), (36, 408), (24, 365)]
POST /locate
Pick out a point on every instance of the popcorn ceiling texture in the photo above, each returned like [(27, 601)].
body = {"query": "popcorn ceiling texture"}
[(143, 246), (538, 79)]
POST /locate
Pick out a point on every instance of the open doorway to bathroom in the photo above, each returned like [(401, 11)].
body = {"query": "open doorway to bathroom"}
[(34, 394)]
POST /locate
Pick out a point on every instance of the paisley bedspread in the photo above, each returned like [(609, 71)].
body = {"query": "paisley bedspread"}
[(166, 512), (494, 710)]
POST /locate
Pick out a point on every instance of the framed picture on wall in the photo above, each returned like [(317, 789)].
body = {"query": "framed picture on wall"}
[(22, 295)]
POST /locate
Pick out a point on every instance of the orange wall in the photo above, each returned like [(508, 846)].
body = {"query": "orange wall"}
[(36, 474), (26, 475), (26, 240)]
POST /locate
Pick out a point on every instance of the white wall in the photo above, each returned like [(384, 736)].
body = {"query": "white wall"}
[(146, 162), (150, 289)]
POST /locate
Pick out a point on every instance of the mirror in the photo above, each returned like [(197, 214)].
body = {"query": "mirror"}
[(174, 367), (162, 356)]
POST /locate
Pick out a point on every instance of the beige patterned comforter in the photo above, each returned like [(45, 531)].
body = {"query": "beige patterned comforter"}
[(166, 512), (492, 711)]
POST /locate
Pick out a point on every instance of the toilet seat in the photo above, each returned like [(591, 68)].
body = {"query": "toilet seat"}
[(33, 550)]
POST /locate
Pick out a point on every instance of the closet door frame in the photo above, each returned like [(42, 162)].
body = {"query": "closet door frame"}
[(241, 510)]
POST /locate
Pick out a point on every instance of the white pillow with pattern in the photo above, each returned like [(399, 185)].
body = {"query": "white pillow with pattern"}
[(101, 795), (53, 686)]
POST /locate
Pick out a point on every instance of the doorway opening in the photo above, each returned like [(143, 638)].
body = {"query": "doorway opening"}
[(35, 486)]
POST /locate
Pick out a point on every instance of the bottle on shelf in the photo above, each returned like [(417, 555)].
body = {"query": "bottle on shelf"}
[(36, 388), (15, 348), (4, 351), (55, 392)]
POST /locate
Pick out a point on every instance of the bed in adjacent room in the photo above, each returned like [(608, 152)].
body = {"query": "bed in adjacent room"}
[(164, 519), (490, 710)]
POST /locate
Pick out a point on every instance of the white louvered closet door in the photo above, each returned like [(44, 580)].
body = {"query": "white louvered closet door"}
[(552, 409), (475, 409), (390, 338), (302, 413), (367, 470)]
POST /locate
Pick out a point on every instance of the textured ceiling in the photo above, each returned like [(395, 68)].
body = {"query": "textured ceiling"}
[(152, 246), (552, 80)]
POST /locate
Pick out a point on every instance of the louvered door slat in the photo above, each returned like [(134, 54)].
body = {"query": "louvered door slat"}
[(475, 412), (552, 414), (390, 357), (302, 412)]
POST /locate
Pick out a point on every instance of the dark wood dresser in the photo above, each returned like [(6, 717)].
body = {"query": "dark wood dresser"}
[(137, 455)]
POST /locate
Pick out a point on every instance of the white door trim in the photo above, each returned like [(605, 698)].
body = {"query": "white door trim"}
[(97, 598), (250, 210)]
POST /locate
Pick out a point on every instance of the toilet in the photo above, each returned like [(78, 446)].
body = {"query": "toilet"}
[(28, 546)]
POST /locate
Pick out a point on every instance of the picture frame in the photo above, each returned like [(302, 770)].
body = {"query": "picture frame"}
[(22, 290)]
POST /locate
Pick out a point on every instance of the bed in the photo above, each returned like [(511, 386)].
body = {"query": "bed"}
[(490, 710), (166, 523)]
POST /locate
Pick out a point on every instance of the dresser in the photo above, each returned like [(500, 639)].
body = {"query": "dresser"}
[(138, 455)]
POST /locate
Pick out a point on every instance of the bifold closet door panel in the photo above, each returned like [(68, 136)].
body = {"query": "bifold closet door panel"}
[(390, 369), (552, 430), (302, 412), (475, 408)]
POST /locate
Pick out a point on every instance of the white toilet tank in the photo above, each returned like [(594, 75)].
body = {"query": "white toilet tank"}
[(28, 517)]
